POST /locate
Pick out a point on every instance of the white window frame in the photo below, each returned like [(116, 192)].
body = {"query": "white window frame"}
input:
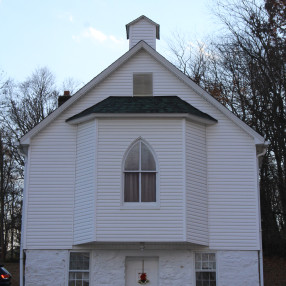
[(196, 270), (140, 205), (78, 270)]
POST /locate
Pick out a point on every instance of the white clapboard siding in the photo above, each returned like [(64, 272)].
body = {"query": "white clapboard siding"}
[(50, 198), (196, 184), (142, 30), (231, 179), (233, 220), (164, 223), (84, 220)]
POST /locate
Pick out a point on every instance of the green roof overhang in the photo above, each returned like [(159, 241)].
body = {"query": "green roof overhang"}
[(143, 107)]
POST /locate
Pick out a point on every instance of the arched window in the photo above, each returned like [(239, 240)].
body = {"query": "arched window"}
[(139, 174)]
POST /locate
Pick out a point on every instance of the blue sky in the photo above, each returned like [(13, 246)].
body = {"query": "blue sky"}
[(80, 38)]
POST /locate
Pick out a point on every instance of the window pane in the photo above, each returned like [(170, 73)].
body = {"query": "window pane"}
[(148, 187), (198, 257), (212, 265), (199, 276), (132, 160), (205, 278), (205, 257), (212, 257), (205, 265), (212, 276), (147, 159), (85, 275), (78, 275), (131, 187), (72, 276), (79, 261), (198, 265)]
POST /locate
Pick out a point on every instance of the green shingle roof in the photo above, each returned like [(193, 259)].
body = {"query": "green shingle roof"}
[(148, 104)]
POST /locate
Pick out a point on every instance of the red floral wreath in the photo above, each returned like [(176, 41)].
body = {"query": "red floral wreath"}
[(143, 279)]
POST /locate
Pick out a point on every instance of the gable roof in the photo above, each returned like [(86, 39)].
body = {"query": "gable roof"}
[(25, 140), (143, 18), (142, 105)]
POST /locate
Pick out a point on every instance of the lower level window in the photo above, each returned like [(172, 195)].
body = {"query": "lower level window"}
[(205, 269), (79, 269)]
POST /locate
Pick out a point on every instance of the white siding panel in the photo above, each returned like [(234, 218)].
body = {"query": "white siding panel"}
[(142, 30), (84, 223), (50, 198), (196, 184), (165, 223), (231, 177), (233, 220)]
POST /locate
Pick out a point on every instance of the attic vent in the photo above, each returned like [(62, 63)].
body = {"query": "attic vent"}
[(143, 84)]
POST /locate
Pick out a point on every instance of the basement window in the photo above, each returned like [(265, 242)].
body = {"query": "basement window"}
[(143, 84), (205, 269), (79, 269)]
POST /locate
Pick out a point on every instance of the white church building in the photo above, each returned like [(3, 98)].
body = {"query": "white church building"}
[(141, 177)]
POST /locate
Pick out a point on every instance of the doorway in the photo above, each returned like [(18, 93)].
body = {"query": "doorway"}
[(135, 266)]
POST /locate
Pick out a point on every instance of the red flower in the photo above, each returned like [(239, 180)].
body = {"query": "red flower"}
[(143, 277)]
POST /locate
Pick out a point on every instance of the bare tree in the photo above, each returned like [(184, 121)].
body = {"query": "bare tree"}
[(23, 106), (4, 165), (10, 195), (245, 71), (70, 84)]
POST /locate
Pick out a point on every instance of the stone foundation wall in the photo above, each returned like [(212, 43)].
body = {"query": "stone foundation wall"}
[(237, 268), (176, 267), (46, 267)]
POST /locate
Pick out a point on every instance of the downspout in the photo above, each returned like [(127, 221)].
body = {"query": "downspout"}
[(260, 151), (24, 151)]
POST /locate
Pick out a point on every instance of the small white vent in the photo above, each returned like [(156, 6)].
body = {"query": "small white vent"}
[(143, 84)]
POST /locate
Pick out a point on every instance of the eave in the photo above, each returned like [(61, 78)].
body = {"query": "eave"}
[(142, 116)]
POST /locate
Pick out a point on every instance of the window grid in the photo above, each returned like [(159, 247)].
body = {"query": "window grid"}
[(205, 266), (79, 269), (139, 170)]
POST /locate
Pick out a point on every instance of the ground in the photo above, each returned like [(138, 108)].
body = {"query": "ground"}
[(14, 269), (274, 271)]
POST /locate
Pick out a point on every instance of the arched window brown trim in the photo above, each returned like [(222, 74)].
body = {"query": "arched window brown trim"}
[(140, 173)]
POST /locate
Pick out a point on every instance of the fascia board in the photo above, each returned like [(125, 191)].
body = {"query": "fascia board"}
[(103, 75), (188, 116)]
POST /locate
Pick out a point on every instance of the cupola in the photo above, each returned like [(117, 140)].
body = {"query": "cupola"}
[(143, 29)]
